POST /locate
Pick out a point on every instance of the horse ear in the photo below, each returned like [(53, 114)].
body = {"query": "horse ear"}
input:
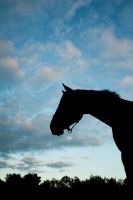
[(67, 88), (63, 91)]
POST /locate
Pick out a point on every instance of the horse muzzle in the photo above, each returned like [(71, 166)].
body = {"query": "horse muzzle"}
[(55, 130)]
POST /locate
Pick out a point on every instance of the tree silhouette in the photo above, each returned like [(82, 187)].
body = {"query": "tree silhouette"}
[(71, 188), (2, 184), (76, 182), (14, 180), (66, 182), (96, 181), (54, 183), (31, 179), (45, 184)]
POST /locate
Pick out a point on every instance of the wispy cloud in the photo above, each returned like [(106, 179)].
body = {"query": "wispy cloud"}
[(66, 157), (68, 50), (45, 75), (85, 157), (6, 48), (32, 162), (5, 164), (74, 7), (126, 81), (107, 48), (59, 164), (9, 72), (26, 164)]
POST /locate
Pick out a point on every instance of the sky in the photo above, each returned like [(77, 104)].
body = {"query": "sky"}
[(85, 44)]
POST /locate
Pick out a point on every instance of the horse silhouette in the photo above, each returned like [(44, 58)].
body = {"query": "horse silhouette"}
[(106, 106)]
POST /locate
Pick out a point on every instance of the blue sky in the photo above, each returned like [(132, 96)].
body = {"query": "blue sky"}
[(85, 44)]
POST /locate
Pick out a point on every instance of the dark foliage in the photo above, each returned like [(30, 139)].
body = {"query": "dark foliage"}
[(65, 188)]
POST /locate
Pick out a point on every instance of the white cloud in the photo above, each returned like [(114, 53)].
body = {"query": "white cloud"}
[(126, 81), (68, 50), (69, 54), (9, 71), (31, 47), (9, 63), (47, 74), (49, 61), (107, 50), (74, 7), (115, 47), (53, 102)]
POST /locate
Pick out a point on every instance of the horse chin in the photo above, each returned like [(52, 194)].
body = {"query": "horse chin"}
[(58, 133)]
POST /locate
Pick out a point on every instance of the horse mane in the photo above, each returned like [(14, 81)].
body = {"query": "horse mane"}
[(111, 94)]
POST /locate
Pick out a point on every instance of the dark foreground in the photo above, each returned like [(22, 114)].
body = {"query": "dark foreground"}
[(64, 193), (30, 187)]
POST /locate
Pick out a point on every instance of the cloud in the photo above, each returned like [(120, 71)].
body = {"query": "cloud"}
[(70, 55), (25, 9), (5, 164), (46, 74), (31, 50), (16, 135), (64, 170), (107, 50), (109, 42), (126, 81), (125, 17), (115, 47), (41, 64), (66, 157), (6, 156), (35, 53), (32, 164), (126, 86), (6, 48), (10, 72), (51, 43), (85, 157), (59, 164), (68, 50), (75, 6), (47, 62), (80, 140), (37, 64), (20, 134), (27, 163), (32, 161)]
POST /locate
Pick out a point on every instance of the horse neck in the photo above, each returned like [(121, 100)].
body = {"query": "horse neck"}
[(94, 103)]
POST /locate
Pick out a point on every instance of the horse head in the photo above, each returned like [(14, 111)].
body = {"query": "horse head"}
[(67, 112)]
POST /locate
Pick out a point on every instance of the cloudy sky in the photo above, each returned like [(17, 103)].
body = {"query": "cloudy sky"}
[(82, 43)]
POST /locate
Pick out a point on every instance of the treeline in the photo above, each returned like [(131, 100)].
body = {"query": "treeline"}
[(32, 179), (72, 188)]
